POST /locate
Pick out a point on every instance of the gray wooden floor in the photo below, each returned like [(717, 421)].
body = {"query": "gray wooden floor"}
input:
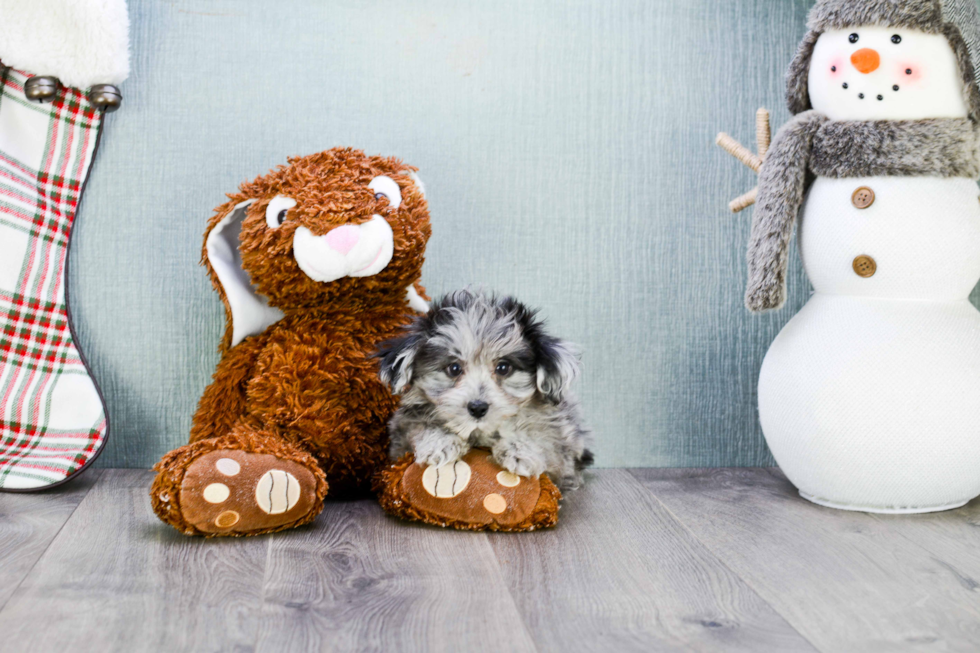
[(644, 560)]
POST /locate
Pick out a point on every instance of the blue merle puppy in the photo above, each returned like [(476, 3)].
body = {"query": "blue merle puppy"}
[(478, 371)]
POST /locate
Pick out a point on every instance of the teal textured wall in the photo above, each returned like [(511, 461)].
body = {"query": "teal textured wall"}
[(567, 148)]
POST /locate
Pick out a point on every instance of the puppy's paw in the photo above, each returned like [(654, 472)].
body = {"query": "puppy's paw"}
[(520, 458), (438, 448)]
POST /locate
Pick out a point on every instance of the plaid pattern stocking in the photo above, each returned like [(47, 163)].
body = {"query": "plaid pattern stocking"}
[(52, 418)]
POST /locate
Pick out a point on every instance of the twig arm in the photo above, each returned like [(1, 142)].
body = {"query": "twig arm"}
[(739, 204), (738, 151), (763, 132)]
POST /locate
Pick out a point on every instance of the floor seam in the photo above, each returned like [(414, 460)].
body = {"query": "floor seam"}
[(510, 594), (263, 594), (722, 561), (3, 607)]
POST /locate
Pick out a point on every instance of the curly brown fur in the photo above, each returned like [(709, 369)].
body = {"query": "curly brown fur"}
[(330, 189), (165, 491), (395, 502), (224, 402), (309, 378)]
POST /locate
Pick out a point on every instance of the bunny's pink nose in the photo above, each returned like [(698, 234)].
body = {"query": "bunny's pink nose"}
[(343, 239)]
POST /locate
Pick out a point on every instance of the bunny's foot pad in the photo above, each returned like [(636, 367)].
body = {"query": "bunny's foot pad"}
[(474, 493), (234, 492)]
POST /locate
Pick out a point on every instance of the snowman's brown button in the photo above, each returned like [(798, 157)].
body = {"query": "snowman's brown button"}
[(863, 197), (865, 266)]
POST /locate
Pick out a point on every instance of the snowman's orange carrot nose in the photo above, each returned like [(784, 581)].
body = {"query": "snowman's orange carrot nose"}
[(866, 60)]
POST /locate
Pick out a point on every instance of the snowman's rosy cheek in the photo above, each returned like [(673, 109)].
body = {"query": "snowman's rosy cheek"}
[(837, 66), (908, 72)]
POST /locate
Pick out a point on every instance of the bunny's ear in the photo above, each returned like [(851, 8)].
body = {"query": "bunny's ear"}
[(248, 311), (416, 300), (418, 182)]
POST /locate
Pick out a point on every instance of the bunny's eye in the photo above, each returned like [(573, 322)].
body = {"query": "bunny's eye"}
[(853, 38), (385, 187), (276, 212)]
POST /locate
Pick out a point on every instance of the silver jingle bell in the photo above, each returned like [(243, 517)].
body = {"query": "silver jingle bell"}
[(41, 89), (105, 97)]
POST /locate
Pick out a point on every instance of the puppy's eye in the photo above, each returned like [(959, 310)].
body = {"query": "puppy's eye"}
[(853, 38), (275, 213), (454, 370), (386, 187), (896, 39), (503, 368)]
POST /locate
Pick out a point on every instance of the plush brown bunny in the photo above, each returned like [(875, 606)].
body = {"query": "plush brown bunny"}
[(317, 263)]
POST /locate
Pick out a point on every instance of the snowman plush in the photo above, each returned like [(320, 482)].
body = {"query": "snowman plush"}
[(870, 397)]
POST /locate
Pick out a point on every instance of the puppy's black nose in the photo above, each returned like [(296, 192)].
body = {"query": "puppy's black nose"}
[(478, 408)]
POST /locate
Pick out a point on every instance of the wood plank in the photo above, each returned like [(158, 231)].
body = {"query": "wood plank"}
[(847, 581), (363, 581), (28, 524), (952, 537), (621, 574), (118, 579)]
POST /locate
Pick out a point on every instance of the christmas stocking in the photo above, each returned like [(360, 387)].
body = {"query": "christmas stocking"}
[(60, 59)]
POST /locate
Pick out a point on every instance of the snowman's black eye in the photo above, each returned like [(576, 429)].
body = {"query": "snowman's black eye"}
[(281, 217), (896, 39), (853, 38)]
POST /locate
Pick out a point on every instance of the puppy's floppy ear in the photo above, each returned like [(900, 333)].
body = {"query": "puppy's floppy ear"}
[(558, 367), (398, 356), (556, 361)]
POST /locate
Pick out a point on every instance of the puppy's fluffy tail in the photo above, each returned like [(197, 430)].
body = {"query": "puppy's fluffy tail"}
[(584, 461)]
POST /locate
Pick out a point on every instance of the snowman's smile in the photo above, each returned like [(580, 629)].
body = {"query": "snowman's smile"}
[(866, 63), (865, 94)]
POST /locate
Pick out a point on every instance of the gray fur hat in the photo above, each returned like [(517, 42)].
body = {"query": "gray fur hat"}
[(958, 20)]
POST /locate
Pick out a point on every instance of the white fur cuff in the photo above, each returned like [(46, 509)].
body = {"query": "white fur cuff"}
[(81, 42)]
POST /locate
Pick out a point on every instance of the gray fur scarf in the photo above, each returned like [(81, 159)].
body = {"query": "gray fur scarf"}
[(811, 144)]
